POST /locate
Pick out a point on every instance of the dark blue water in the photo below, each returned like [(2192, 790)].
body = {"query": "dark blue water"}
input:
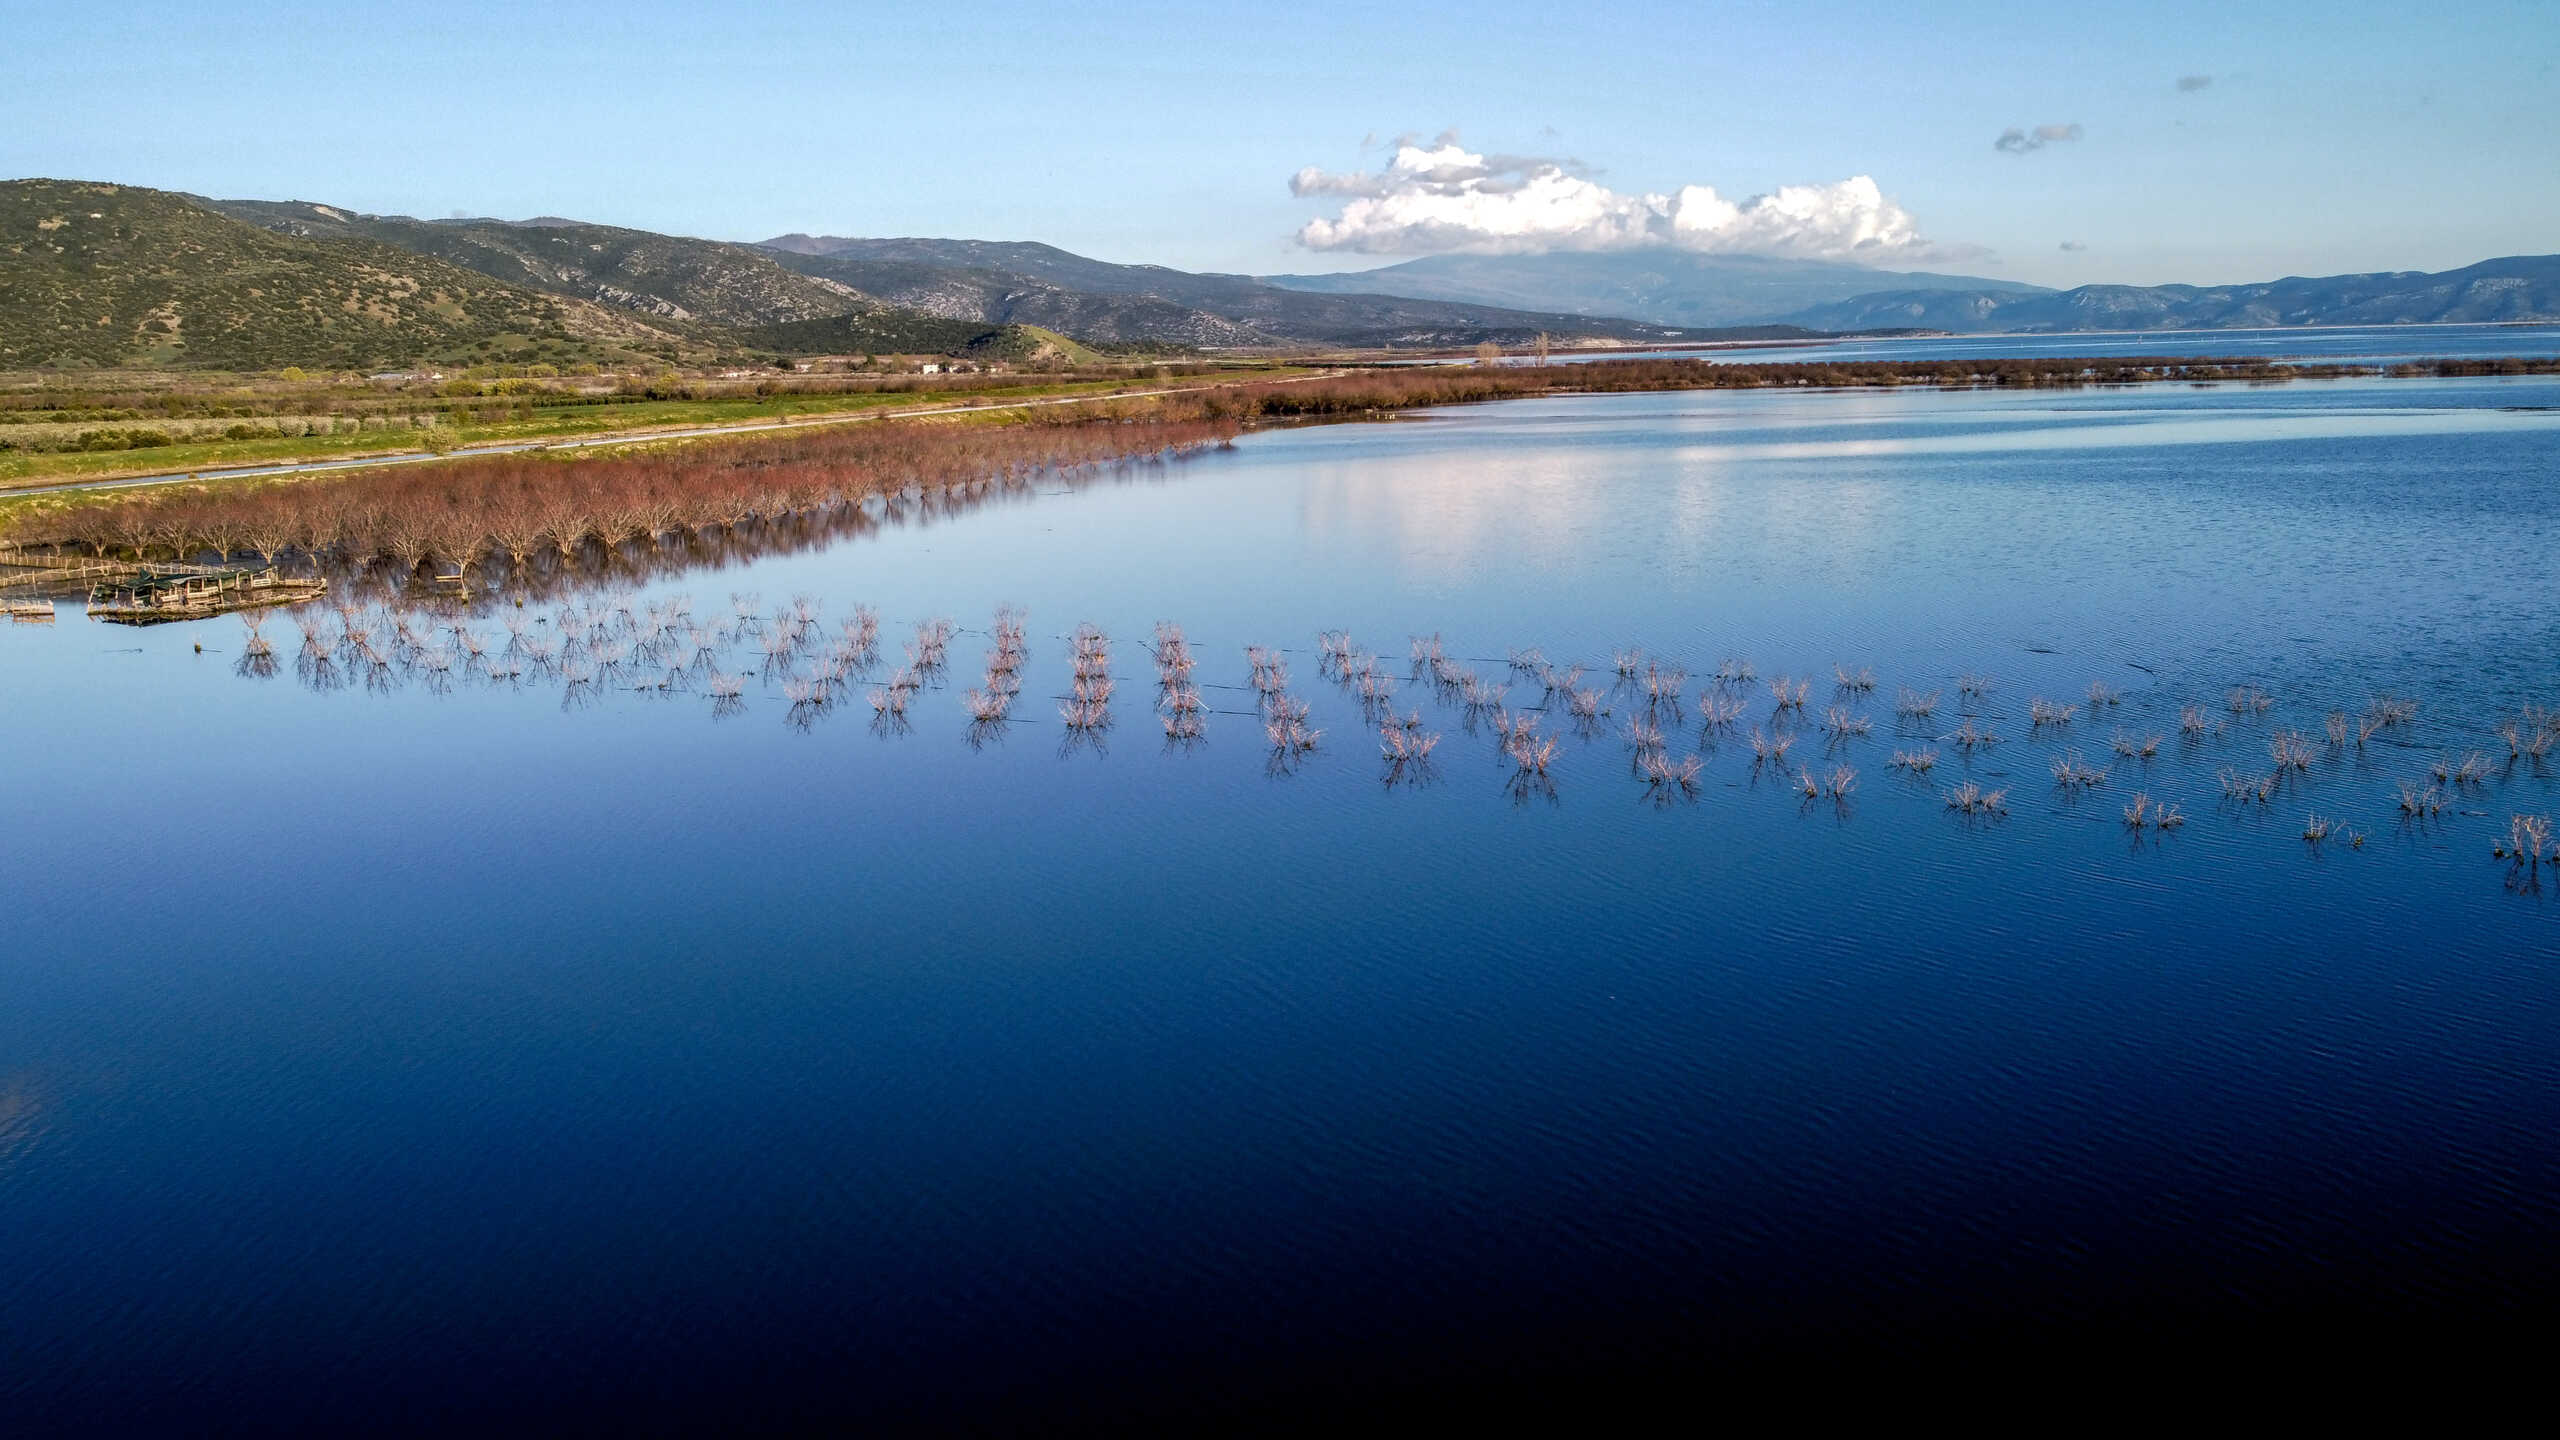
[(462, 1048), (2324, 344)]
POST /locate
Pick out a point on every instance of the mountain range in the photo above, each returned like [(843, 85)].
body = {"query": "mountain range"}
[(1024, 283), (2516, 287), (1667, 287), (115, 275), (1673, 288), (102, 275)]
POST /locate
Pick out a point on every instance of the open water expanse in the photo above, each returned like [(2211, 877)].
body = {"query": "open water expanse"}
[(455, 1039), (2304, 344)]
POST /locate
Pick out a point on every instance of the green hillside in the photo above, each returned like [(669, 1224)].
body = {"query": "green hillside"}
[(667, 279), (105, 275)]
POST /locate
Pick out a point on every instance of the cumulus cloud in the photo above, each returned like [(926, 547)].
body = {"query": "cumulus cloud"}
[(2189, 84), (1434, 198), (2014, 141)]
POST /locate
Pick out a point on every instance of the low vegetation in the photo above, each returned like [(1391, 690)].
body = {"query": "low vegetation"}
[(68, 427), (512, 509)]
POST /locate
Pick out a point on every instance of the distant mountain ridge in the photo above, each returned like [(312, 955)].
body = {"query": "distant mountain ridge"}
[(1033, 283), (673, 279), (2511, 288), (714, 291), (1664, 287), (103, 274), (99, 274)]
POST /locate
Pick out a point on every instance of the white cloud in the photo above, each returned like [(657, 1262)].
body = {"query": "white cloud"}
[(1439, 197)]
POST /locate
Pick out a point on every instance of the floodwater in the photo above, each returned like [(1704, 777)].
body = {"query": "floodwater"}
[(2301, 344), (444, 1042)]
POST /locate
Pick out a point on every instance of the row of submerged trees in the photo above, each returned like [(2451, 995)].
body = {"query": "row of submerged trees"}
[(470, 513), (518, 509)]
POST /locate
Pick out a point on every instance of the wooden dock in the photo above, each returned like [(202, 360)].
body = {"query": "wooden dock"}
[(154, 594)]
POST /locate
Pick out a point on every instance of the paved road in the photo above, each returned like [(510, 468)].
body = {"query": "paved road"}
[(624, 437)]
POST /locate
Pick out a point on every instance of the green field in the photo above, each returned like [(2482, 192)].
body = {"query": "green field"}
[(459, 427)]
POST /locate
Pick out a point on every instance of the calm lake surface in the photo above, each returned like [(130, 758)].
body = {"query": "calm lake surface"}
[(435, 1047), (2322, 344)]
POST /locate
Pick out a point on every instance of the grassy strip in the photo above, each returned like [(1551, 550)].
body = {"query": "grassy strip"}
[(547, 424)]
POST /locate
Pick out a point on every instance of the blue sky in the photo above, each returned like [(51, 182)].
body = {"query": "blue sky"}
[(2322, 137)]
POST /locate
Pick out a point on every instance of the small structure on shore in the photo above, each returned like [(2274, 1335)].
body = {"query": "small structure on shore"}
[(155, 593)]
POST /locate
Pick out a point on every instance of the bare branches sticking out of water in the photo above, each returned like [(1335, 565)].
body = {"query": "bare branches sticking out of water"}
[(2146, 813), (2420, 801), (2291, 750), (1667, 778), (2247, 788), (2531, 734), (1529, 752), (1971, 799), (1661, 687), (1770, 749), (1405, 755), (2472, 769), (1429, 654), (2072, 773), (2528, 841), (1843, 724), (2136, 747), (1267, 672), (1644, 737)]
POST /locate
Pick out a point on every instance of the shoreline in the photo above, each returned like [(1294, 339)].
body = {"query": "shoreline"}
[(1512, 381)]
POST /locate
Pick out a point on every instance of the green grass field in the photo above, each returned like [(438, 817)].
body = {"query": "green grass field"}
[(19, 469)]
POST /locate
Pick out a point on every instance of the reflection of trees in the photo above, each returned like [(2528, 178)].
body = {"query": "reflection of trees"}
[(528, 522), (471, 516)]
